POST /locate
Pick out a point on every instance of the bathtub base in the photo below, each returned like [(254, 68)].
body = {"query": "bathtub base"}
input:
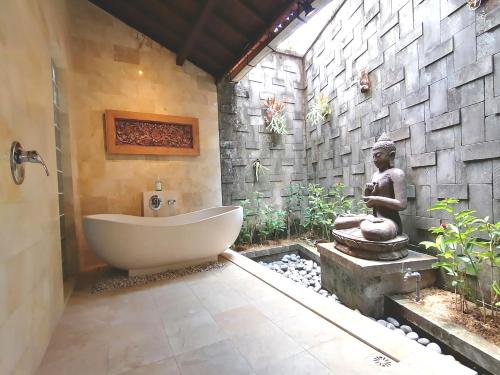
[(170, 267)]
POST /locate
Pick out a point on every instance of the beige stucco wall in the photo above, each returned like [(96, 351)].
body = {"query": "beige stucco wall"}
[(98, 59), (107, 55), (31, 289)]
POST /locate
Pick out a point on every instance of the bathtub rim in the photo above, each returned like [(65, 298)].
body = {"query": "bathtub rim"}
[(159, 221)]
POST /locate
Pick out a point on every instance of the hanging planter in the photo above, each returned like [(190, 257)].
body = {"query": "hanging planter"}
[(275, 116), (319, 112), (474, 4), (258, 169)]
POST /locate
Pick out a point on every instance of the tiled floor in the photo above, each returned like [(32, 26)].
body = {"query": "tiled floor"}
[(218, 322)]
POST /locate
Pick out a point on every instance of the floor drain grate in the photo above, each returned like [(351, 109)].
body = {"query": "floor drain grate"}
[(381, 360)]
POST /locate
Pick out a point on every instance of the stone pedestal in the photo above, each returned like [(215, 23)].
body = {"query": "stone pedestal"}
[(362, 284)]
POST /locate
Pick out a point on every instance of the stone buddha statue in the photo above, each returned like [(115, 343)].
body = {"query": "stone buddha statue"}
[(379, 235)]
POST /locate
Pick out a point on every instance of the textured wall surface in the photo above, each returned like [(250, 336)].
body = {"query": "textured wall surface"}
[(435, 74), (107, 56), (31, 284), (243, 137)]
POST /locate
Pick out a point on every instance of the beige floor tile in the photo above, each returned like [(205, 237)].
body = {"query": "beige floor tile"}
[(166, 367), (240, 320), (221, 299), (220, 358), (298, 364), (265, 344), (279, 308), (85, 359), (194, 319), (191, 339), (346, 355), (136, 344), (308, 329)]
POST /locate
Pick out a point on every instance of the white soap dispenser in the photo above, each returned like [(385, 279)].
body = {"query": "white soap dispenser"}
[(158, 186)]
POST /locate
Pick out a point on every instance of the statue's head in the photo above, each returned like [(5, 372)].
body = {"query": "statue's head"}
[(384, 152)]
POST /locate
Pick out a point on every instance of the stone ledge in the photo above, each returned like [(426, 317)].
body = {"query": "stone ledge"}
[(370, 268), (473, 347)]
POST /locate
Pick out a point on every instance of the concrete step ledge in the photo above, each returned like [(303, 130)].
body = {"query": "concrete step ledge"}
[(410, 356), (472, 346)]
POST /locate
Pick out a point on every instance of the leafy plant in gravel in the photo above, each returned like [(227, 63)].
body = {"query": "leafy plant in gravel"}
[(275, 116), (248, 227), (319, 111), (462, 252)]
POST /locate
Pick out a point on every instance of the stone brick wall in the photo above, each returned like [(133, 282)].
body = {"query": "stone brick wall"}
[(434, 67), (242, 131)]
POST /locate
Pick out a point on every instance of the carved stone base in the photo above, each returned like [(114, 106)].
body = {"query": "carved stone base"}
[(352, 242)]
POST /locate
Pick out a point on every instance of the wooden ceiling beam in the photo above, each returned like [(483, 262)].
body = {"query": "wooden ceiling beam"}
[(257, 15), (195, 32)]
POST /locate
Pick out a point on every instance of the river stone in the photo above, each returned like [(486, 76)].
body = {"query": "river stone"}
[(435, 347), (284, 267), (391, 326), (400, 331), (406, 329), (423, 341), (412, 335), (393, 321), (383, 322)]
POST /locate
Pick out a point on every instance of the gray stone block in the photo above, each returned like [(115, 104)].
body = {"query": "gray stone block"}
[(480, 199), (440, 140), (400, 134), (496, 179), (388, 25), (417, 140), (382, 113), (472, 72), (358, 168), (344, 150), (422, 160), (436, 53), (251, 145), (392, 94), (470, 93), (492, 19), (473, 124), (464, 47), (445, 173), (443, 121), (483, 150), (413, 115), (415, 98), (492, 106), (452, 191), (410, 192), (297, 177), (393, 76), (337, 172), (439, 97), (426, 223), (409, 38), (367, 143)]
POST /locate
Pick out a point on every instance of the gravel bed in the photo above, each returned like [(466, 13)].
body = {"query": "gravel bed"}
[(111, 278), (303, 271)]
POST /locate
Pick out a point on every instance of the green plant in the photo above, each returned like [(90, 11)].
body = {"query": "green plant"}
[(462, 253), (258, 169), (275, 116), (273, 223), (319, 111), (293, 204)]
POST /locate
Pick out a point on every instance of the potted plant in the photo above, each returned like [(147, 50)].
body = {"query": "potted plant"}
[(275, 116), (319, 111)]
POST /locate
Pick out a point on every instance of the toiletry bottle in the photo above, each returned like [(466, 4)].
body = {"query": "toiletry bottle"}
[(158, 186)]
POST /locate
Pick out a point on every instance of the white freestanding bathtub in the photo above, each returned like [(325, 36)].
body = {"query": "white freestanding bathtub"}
[(145, 245)]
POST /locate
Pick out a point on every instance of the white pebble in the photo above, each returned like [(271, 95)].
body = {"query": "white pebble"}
[(435, 347), (382, 322), (423, 341), (401, 332), (393, 321), (391, 326), (412, 335), (406, 329)]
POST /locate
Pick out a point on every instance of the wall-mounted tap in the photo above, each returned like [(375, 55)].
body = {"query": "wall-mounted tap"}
[(408, 275), (171, 202), (17, 159)]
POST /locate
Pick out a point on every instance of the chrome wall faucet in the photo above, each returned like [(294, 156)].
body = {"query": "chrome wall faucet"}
[(408, 275), (17, 159)]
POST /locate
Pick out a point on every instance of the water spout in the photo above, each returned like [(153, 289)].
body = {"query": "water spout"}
[(408, 275)]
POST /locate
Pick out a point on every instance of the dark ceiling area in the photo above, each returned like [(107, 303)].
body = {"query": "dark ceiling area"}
[(219, 36)]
